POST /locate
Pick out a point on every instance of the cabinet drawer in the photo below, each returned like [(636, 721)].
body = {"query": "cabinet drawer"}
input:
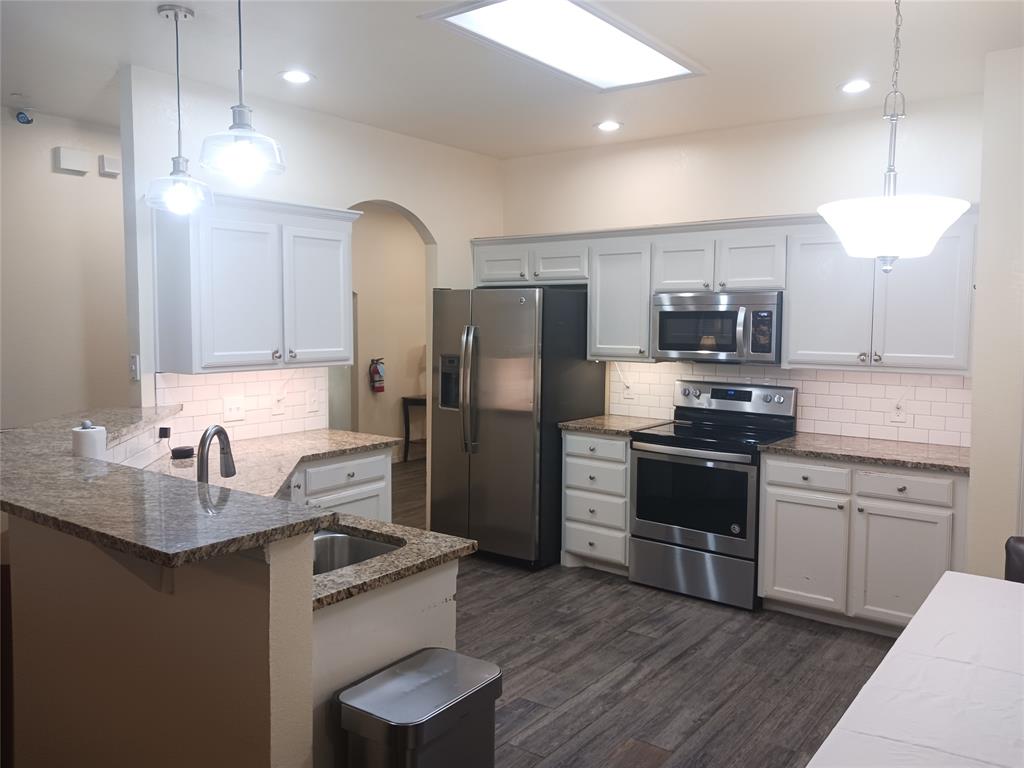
[(595, 543), (345, 474), (366, 501), (603, 477), (596, 509), (924, 490), (577, 444), (811, 476)]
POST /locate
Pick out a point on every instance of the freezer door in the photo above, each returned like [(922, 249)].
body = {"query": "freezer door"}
[(449, 462), (504, 421)]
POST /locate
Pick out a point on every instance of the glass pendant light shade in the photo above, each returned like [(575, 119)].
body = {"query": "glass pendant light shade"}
[(178, 193), (896, 226)]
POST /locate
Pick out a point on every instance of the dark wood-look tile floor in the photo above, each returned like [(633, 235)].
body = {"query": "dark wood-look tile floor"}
[(602, 672), (409, 492)]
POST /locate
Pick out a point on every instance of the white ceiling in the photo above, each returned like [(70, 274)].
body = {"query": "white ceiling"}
[(379, 63)]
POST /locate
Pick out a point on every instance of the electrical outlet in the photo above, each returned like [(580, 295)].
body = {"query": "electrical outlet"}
[(277, 409), (312, 401), (897, 416), (234, 408), (627, 393)]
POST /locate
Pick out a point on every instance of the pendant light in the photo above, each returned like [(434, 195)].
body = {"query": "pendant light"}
[(890, 226), (240, 153), (178, 193)]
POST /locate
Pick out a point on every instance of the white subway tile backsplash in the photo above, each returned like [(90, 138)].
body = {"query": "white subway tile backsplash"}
[(851, 403)]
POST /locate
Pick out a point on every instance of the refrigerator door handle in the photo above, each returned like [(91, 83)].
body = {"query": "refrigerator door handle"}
[(468, 354), (463, 406)]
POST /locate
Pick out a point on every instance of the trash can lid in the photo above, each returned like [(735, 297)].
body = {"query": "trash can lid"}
[(420, 697)]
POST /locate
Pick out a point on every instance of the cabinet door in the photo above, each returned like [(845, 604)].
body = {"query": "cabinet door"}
[(240, 293), (805, 548), (317, 296), (619, 297), (561, 261), (501, 263), (828, 306), (750, 260), (923, 307), (683, 263), (897, 555)]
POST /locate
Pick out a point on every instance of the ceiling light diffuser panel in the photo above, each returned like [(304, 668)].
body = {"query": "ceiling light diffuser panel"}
[(570, 38)]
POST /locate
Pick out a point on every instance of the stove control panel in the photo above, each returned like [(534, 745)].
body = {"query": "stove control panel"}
[(728, 396)]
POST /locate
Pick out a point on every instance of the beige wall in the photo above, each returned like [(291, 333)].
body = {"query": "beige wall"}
[(64, 340), (758, 170), (998, 320), (389, 274)]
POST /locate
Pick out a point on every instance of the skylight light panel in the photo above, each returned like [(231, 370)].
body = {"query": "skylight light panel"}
[(569, 38)]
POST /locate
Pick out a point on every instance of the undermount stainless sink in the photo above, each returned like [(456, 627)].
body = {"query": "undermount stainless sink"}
[(333, 550)]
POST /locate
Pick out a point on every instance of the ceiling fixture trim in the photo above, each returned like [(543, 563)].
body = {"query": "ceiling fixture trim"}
[(512, 26)]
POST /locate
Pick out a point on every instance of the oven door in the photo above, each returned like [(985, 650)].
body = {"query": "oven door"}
[(700, 499)]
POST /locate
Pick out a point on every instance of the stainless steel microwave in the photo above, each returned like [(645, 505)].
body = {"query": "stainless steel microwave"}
[(717, 327)]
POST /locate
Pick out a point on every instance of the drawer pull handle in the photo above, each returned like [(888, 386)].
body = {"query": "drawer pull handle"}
[(590, 544), (592, 477), (804, 477), (351, 475), (591, 448), (592, 511), (901, 489)]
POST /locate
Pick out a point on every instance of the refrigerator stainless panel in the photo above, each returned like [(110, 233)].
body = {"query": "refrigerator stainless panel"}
[(504, 421), (449, 462)]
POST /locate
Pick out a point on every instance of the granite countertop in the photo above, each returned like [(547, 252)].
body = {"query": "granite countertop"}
[(611, 425), (893, 453), (173, 520), (265, 464)]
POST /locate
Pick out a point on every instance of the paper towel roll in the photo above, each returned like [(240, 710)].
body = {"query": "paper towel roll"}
[(89, 441)]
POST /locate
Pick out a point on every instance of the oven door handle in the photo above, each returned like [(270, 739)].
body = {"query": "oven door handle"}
[(692, 453), (741, 327)]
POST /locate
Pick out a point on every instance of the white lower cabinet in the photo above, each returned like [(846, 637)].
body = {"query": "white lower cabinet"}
[(595, 503), (897, 554), (806, 539), (351, 485), (869, 544)]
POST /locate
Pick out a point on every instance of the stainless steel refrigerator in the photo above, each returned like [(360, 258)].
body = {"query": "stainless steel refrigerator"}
[(509, 364)]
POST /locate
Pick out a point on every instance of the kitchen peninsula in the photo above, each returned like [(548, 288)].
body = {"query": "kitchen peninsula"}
[(120, 577)]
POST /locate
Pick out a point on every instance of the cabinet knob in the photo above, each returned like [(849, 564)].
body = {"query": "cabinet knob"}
[(590, 544), (860, 509), (722, 284), (840, 506), (805, 477), (591, 448), (592, 511), (536, 273), (291, 354), (276, 354), (297, 486), (707, 284), (351, 475), (876, 357), (863, 357), (642, 351), (522, 274), (592, 477), (901, 489)]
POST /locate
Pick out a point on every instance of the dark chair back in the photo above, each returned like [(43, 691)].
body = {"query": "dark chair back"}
[(1015, 559)]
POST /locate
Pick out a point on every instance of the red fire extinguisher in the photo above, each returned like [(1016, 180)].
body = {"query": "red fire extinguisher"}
[(377, 374)]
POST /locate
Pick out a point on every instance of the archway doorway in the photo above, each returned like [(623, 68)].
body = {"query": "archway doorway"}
[(392, 276)]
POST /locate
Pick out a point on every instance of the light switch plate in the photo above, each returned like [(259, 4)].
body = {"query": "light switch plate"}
[(312, 401), (234, 408)]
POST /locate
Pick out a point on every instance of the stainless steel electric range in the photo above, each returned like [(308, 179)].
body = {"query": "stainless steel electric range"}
[(694, 490)]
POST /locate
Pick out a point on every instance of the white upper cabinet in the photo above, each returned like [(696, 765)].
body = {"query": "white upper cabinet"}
[(317, 270), (898, 553), (827, 311), (683, 263), (239, 293), (560, 261), (250, 284), (503, 263), (923, 307), (751, 260), (619, 299)]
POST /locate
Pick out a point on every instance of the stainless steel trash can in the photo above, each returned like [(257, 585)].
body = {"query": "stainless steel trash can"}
[(433, 709)]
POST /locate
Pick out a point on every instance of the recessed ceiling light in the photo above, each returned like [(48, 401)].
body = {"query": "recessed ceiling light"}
[(296, 76), (568, 37), (608, 126), (856, 86)]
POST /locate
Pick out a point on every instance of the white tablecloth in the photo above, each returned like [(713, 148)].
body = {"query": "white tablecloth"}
[(950, 692)]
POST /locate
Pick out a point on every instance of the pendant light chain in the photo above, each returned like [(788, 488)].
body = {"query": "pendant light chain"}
[(894, 107), (896, 48)]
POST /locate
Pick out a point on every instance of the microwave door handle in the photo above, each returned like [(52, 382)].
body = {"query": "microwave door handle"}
[(741, 327)]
